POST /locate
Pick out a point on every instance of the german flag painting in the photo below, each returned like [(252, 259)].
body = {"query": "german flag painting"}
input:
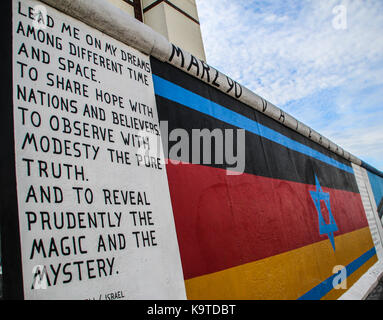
[(286, 227)]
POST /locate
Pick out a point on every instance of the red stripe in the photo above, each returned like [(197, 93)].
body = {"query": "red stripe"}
[(223, 221)]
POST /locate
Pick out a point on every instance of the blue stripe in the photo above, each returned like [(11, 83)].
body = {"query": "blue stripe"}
[(189, 99), (372, 169), (326, 286)]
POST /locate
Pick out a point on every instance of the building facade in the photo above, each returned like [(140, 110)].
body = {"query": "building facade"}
[(177, 20)]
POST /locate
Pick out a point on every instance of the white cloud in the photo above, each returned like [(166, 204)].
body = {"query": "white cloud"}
[(289, 51), (294, 57)]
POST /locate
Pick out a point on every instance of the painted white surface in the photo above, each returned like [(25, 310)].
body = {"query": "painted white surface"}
[(366, 283), (370, 208), (131, 271)]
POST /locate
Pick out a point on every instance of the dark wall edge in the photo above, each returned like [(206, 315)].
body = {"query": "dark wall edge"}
[(372, 169), (9, 218)]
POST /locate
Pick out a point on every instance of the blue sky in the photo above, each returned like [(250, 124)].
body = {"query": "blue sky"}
[(290, 53)]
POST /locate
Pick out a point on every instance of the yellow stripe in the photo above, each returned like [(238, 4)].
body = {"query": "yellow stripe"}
[(285, 276), (335, 294)]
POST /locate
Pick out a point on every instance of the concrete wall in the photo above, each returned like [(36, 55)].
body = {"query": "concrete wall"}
[(371, 277), (276, 228), (279, 227)]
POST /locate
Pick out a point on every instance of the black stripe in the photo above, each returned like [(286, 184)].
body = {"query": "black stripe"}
[(180, 78), (262, 156)]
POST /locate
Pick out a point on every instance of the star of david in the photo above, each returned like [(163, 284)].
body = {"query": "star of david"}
[(318, 195)]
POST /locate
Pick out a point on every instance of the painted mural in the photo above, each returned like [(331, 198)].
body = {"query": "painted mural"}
[(260, 211), (281, 227), (377, 189)]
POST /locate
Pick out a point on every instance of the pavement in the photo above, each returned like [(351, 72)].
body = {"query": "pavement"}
[(377, 293)]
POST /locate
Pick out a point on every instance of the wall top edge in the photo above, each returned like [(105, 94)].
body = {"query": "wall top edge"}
[(108, 19)]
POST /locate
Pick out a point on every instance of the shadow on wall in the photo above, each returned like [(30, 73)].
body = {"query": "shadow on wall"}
[(377, 293), (377, 189), (1, 275), (380, 209)]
